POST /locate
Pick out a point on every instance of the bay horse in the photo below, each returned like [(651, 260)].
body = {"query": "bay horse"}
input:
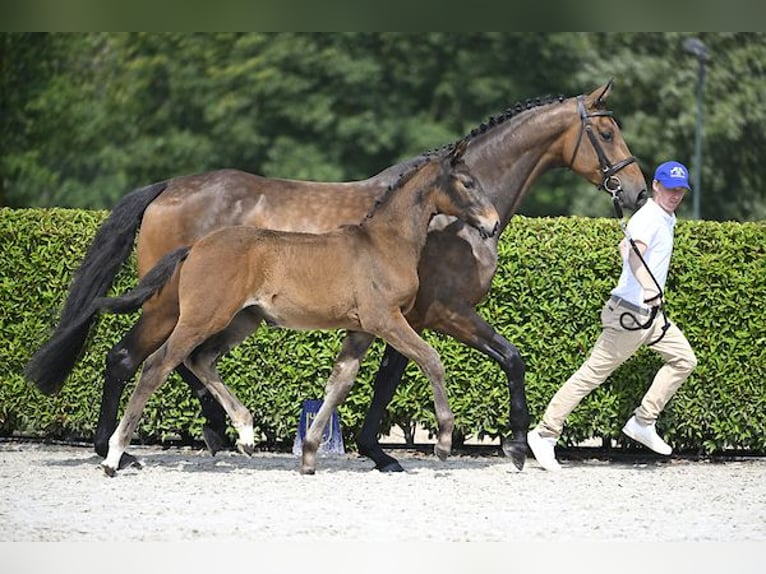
[(362, 278), (507, 154)]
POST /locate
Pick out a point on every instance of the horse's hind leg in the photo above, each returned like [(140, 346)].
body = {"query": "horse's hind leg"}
[(389, 375), (341, 380)]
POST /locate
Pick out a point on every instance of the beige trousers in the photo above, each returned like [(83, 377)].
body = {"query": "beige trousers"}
[(614, 346)]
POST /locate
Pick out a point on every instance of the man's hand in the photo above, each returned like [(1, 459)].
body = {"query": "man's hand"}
[(653, 299)]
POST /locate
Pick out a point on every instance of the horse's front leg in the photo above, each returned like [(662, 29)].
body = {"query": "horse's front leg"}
[(465, 325), (386, 381)]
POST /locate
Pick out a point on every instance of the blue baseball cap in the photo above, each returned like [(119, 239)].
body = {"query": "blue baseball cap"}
[(672, 174)]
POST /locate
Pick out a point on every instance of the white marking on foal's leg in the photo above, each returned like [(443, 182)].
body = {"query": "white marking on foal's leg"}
[(246, 440)]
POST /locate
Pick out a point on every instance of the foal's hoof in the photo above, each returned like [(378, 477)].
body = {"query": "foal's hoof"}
[(516, 450), (247, 449), (214, 441), (109, 471)]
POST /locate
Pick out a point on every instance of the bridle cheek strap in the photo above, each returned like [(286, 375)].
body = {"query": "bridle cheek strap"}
[(609, 180)]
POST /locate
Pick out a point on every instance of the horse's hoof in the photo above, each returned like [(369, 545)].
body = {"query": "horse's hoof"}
[(392, 466), (308, 470), (214, 441), (127, 461), (516, 450), (108, 470), (247, 449)]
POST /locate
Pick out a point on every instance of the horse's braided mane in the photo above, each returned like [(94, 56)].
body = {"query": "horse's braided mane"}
[(493, 121)]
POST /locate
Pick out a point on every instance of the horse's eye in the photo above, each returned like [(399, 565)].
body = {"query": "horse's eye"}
[(607, 136), (468, 183)]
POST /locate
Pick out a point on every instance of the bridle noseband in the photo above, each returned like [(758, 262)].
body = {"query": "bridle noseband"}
[(609, 180)]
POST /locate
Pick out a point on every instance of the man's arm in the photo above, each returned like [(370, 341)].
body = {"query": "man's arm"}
[(652, 295)]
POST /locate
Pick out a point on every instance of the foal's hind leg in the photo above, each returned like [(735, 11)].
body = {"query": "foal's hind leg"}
[(123, 360), (341, 380), (156, 370), (182, 341), (202, 364), (214, 427)]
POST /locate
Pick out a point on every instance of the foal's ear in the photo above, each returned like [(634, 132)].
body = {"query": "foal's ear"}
[(457, 153)]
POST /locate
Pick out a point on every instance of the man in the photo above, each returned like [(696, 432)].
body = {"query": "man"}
[(626, 325)]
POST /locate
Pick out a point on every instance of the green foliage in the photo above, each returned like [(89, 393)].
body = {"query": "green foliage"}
[(554, 275), (87, 117)]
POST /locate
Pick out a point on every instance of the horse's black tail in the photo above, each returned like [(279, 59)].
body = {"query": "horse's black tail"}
[(148, 286), (113, 243)]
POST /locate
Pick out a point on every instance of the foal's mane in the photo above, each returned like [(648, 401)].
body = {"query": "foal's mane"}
[(410, 172)]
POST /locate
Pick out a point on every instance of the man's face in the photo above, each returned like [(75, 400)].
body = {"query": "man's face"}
[(668, 198)]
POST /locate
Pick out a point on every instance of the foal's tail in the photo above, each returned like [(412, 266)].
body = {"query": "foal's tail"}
[(148, 286), (113, 243)]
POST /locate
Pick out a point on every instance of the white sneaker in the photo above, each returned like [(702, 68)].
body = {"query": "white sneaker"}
[(542, 448), (646, 435)]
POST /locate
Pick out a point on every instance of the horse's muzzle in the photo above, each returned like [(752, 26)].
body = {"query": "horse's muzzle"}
[(486, 234), (641, 199)]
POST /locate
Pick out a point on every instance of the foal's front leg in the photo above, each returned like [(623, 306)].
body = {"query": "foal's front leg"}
[(341, 380), (400, 335)]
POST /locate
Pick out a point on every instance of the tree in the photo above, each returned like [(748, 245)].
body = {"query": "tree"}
[(87, 117)]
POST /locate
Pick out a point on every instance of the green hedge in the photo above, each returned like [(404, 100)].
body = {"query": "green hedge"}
[(546, 298)]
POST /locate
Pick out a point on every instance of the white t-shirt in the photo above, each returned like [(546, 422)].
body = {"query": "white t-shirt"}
[(652, 226)]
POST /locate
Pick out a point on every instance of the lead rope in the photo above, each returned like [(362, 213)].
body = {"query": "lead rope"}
[(655, 309)]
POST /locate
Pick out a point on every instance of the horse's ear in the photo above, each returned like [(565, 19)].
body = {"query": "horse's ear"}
[(458, 151), (597, 98)]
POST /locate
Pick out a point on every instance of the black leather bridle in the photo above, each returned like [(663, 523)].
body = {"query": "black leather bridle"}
[(610, 182)]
